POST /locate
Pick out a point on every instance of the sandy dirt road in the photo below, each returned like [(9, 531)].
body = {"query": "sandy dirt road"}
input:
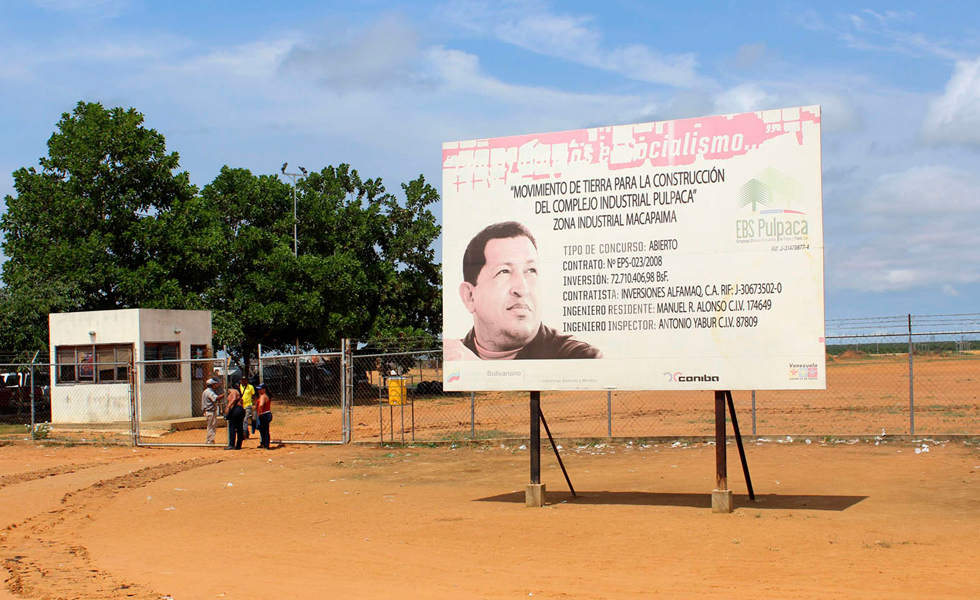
[(832, 521)]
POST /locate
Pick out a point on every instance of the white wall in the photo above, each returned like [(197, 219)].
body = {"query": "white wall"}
[(99, 403), (88, 402), (171, 399)]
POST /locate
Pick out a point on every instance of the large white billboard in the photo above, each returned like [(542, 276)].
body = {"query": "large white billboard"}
[(675, 255)]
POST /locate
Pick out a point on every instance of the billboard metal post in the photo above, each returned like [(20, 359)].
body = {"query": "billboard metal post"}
[(721, 496), (534, 492), (472, 415)]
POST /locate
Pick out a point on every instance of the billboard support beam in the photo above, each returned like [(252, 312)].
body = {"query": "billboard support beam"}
[(741, 448), (554, 447)]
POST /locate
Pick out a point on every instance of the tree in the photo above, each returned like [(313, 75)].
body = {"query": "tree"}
[(364, 266), (83, 231), (24, 314), (108, 222)]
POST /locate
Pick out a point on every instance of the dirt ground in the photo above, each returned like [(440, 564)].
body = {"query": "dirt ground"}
[(836, 519)]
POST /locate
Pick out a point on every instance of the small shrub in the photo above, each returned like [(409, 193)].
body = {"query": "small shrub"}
[(41, 431)]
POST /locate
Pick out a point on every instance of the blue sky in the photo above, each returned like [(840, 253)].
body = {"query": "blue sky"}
[(382, 84)]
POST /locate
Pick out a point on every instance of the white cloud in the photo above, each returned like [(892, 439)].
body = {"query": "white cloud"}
[(883, 32), (751, 56), (913, 229), (14, 71), (257, 61), (78, 56), (839, 112), (924, 189), (460, 72), (955, 116), (96, 8), (745, 98), (531, 25), (384, 55)]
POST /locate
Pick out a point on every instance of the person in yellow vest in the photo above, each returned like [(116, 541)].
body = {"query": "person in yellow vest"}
[(247, 392)]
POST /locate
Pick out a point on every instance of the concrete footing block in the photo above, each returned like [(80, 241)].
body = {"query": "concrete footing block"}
[(534, 495), (721, 501)]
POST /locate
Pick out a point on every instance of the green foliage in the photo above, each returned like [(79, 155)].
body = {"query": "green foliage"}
[(24, 312), (107, 222), (83, 232), (41, 431), (364, 262)]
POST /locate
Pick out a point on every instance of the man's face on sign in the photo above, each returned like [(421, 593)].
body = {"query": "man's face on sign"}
[(504, 300)]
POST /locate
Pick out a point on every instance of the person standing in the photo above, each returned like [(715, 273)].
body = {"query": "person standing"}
[(264, 409), (248, 393), (235, 415), (210, 402)]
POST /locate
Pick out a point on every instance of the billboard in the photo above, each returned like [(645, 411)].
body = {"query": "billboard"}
[(676, 255)]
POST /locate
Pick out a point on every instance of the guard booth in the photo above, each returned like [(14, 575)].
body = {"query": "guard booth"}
[(93, 354)]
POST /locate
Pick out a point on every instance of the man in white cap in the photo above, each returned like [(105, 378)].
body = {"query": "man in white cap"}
[(210, 402)]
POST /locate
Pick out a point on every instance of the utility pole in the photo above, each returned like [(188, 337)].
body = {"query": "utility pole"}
[(295, 177)]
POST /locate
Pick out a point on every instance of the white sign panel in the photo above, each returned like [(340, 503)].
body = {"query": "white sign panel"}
[(675, 255)]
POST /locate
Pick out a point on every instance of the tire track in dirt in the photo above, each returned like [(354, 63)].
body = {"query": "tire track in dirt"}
[(26, 476), (42, 558)]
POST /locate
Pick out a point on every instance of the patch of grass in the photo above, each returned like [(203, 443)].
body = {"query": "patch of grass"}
[(480, 434), (12, 429)]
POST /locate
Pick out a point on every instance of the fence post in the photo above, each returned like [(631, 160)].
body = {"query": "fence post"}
[(133, 400), (224, 384), (343, 389), (347, 382), (261, 380), (472, 415), (299, 388), (753, 412), (911, 384), (32, 393), (608, 413)]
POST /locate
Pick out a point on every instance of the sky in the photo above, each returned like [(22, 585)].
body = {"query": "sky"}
[(382, 84)]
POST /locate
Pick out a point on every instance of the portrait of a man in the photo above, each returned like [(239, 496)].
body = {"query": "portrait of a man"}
[(500, 290)]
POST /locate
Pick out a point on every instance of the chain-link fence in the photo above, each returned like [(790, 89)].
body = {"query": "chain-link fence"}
[(308, 397), (25, 398), (893, 375), (73, 402), (901, 375)]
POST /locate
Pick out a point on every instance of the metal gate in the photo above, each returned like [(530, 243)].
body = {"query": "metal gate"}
[(308, 392)]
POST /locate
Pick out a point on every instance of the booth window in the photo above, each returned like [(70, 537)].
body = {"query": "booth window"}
[(99, 363), (162, 351)]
